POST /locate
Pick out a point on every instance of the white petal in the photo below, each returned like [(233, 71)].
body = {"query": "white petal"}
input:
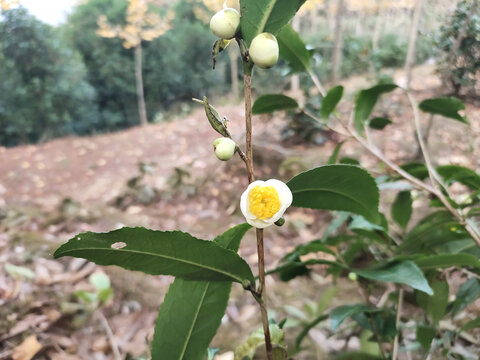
[(278, 214), (244, 200), (259, 224), (283, 191)]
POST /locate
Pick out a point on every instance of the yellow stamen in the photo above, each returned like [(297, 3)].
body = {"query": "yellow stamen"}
[(263, 202)]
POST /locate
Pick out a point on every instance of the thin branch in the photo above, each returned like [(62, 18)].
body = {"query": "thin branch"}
[(111, 337), (434, 177), (262, 302), (436, 180), (399, 315), (365, 294), (317, 83), (434, 189), (248, 158), (242, 155), (312, 116), (247, 78)]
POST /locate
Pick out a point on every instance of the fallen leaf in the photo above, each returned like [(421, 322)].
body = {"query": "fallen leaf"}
[(62, 356), (27, 349)]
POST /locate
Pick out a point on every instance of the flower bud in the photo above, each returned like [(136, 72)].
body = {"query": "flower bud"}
[(224, 23), (224, 148), (264, 50), (352, 276)]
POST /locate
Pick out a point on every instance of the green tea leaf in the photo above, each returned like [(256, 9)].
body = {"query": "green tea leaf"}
[(260, 16), (333, 158), (359, 223), (308, 248), (435, 306), (446, 260), (100, 280), (189, 318), (273, 102), (159, 253), (463, 175), (383, 322), (379, 123), (211, 353), (341, 313), (192, 311), (337, 187), (307, 328), (279, 353), (19, 272), (292, 49), (402, 208), (295, 267), (468, 292), (403, 272), (425, 335), (331, 100), (256, 339), (366, 101), (433, 231), (418, 170), (473, 324), (105, 295), (349, 161), (357, 355), (86, 296), (445, 106)]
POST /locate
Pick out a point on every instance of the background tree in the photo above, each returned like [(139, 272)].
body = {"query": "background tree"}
[(7, 4), (338, 42), (204, 11), (115, 87), (44, 98), (460, 45), (410, 59), (140, 25)]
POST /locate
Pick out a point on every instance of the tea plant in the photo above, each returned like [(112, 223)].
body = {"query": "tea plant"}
[(412, 262)]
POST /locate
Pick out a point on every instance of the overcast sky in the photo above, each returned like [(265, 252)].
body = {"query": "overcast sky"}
[(49, 11)]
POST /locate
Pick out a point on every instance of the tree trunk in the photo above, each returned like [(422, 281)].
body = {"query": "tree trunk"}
[(232, 54), (142, 111), (295, 79), (378, 27), (338, 43), (330, 15), (410, 60)]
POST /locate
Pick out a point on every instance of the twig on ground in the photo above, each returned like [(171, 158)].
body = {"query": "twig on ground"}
[(111, 337)]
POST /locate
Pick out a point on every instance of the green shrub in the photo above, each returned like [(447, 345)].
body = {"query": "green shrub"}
[(46, 97), (461, 73)]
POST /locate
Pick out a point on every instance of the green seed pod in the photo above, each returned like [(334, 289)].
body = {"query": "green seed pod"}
[(280, 222), (224, 23), (224, 148), (264, 50)]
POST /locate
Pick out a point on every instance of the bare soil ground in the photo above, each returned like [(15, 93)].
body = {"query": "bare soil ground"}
[(50, 192)]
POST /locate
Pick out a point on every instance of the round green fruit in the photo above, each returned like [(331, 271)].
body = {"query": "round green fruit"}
[(224, 148), (224, 23), (264, 50), (353, 276)]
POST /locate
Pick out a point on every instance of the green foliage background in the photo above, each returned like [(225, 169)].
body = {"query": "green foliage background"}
[(64, 80)]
